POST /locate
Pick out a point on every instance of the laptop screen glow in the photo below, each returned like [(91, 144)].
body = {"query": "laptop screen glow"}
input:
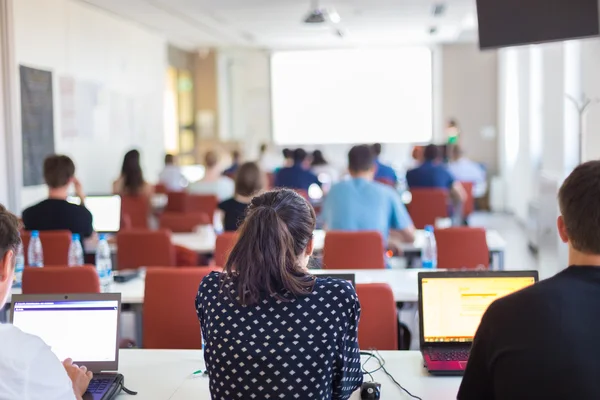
[(106, 211), (81, 330), (453, 307)]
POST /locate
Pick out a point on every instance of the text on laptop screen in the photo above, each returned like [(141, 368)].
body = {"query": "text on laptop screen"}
[(453, 307), (106, 211), (80, 330)]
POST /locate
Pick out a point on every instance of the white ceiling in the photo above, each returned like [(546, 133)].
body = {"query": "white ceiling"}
[(277, 24)]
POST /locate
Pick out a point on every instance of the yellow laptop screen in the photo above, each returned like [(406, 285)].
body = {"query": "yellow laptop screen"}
[(453, 307)]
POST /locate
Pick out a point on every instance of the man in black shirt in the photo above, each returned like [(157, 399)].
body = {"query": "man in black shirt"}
[(56, 213), (543, 342)]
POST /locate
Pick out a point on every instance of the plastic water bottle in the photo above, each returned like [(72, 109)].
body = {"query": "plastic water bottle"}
[(104, 263), (19, 266), (218, 223), (75, 251), (35, 253), (429, 252)]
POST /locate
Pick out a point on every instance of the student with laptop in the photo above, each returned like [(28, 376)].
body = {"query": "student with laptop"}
[(28, 368), (542, 342), (56, 213)]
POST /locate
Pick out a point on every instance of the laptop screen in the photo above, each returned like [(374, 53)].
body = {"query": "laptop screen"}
[(85, 331), (106, 211), (453, 307)]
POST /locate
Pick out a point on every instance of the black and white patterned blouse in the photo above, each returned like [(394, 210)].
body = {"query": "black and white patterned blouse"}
[(306, 348)]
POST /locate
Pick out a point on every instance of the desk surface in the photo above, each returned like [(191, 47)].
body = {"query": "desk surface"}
[(166, 374)]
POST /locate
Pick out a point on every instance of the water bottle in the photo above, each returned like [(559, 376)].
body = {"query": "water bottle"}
[(429, 252), (104, 263), (19, 266), (35, 253), (218, 223), (75, 251)]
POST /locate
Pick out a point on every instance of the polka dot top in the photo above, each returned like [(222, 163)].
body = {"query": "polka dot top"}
[(305, 348)]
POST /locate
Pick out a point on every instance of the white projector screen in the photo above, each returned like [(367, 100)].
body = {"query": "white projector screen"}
[(352, 96)]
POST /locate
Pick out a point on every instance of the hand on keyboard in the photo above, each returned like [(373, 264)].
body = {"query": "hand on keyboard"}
[(80, 377)]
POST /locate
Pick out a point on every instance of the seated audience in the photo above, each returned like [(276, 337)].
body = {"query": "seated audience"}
[(268, 161), (28, 367), (131, 182), (465, 170), (360, 204), (320, 166), (542, 342), (213, 182), (171, 175), (56, 213), (383, 172), (235, 157), (297, 176), (249, 181), (305, 339), (288, 158)]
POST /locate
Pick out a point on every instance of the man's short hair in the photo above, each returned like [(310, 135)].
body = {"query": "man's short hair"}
[(579, 202), (376, 149), (169, 159), (431, 153), (360, 158), (235, 155), (248, 180), (299, 156), (9, 231), (58, 171), (211, 159)]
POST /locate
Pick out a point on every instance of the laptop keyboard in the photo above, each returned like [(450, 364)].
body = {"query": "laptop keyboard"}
[(99, 385), (449, 354)]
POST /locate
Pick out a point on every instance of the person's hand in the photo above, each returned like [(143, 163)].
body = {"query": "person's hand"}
[(80, 377), (78, 189)]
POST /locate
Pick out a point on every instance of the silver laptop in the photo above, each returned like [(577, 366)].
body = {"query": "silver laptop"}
[(105, 209), (83, 327)]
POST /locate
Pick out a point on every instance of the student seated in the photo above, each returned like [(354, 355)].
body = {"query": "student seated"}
[(249, 181), (297, 176), (131, 182), (542, 342), (236, 158), (271, 329), (213, 182), (171, 175), (320, 167), (465, 170), (360, 204), (56, 213), (29, 370), (383, 172)]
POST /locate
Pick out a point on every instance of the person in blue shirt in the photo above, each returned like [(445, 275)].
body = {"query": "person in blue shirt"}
[(235, 157), (383, 172), (297, 176), (360, 204)]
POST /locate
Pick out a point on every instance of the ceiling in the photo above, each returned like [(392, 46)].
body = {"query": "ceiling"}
[(277, 24)]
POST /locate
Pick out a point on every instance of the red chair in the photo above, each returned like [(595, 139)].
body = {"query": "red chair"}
[(462, 248), (61, 280), (55, 245), (206, 204), (386, 181), (270, 180), (177, 202), (427, 205), (144, 248), (137, 209), (159, 188), (353, 250), (469, 205), (378, 326), (223, 247), (169, 316), (183, 222)]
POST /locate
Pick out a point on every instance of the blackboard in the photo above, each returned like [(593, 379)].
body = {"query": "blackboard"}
[(37, 122)]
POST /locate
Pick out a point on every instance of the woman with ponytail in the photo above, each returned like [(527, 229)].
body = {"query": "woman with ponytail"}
[(270, 328)]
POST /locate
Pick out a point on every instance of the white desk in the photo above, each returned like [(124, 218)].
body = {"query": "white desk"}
[(166, 374)]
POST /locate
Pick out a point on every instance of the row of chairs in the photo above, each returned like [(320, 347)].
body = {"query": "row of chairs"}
[(169, 289)]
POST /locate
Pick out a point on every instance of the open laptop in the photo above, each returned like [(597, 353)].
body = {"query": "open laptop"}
[(105, 209), (83, 327), (451, 305)]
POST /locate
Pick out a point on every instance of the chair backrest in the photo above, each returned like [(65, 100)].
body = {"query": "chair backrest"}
[(61, 279), (177, 202), (183, 222), (137, 209), (223, 246), (427, 205), (462, 247), (159, 188), (206, 204), (469, 205), (378, 326), (169, 319), (144, 248), (353, 250), (386, 181), (55, 245)]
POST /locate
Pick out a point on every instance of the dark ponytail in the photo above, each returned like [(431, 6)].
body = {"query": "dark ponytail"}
[(275, 233)]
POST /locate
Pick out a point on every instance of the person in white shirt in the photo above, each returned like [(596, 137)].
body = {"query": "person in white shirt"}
[(465, 170), (28, 368), (213, 182), (171, 175)]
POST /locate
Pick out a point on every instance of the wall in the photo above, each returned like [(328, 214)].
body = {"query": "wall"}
[(125, 61)]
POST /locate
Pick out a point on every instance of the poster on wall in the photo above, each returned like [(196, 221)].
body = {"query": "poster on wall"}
[(37, 122)]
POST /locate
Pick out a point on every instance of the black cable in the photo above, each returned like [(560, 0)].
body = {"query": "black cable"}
[(394, 380), (381, 362)]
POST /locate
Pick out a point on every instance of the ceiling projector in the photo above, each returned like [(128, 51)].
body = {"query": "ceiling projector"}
[(319, 15)]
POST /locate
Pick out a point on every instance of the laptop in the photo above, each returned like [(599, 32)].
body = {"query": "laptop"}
[(451, 305), (91, 338), (105, 209)]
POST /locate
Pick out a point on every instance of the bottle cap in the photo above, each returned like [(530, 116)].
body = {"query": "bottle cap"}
[(76, 236), (102, 236), (35, 234), (429, 228)]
